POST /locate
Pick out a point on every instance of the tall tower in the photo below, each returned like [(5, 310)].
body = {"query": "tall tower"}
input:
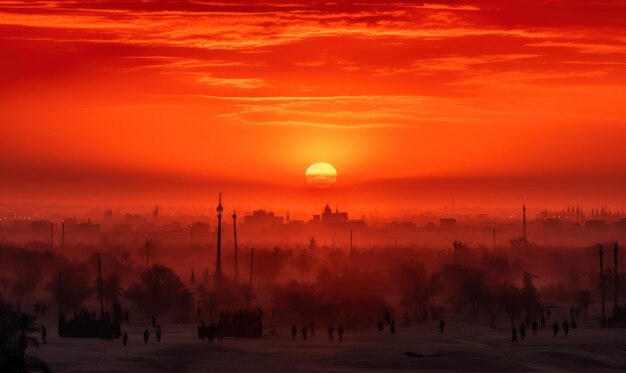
[(51, 234), (351, 248), (218, 265), (601, 254), (235, 233), (63, 237), (615, 250), (100, 286), (524, 224)]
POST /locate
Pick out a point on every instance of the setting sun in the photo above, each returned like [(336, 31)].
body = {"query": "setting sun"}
[(321, 174)]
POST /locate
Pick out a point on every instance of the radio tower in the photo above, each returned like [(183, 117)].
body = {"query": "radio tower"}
[(524, 224)]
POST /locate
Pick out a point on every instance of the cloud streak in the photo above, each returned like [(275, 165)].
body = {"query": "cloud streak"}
[(402, 87)]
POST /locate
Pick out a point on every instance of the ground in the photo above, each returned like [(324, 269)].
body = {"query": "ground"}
[(465, 346)]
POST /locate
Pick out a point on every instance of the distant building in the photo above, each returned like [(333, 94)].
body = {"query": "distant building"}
[(132, 218), (200, 226), (620, 225), (330, 217), (261, 219), (336, 218), (595, 225), (447, 223), (82, 231)]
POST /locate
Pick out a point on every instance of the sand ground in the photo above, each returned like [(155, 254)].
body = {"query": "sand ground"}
[(465, 346)]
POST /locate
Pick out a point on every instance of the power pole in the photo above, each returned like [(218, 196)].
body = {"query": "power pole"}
[(351, 247), (60, 298), (100, 286), (51, 234), (524, 225), (62, 236), (601, 253), (147, 246), (616, 280), (218, 263), (251, 265), (235, 233)]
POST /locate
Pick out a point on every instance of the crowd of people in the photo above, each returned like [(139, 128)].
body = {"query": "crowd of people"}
[(565, 325)]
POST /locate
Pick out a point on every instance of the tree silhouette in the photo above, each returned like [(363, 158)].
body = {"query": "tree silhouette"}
[(158, 290), (75, 287), (16, 331), (147, 250), (27, 325)]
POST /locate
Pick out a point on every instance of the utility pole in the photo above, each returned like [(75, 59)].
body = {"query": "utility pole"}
[(60, 297), (62, 236), (524, 225), (601, 253), (100, 286), (351, 247), (218, 262), (616, 280), (251, 265), (147, 246), (235, 233)]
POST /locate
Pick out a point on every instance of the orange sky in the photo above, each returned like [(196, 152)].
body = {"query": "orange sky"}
[(142, 100)]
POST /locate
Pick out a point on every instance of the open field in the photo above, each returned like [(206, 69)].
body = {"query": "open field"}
[(464, 347)]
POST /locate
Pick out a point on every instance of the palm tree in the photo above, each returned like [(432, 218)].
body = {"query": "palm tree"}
[(25, 326), (15, 336)]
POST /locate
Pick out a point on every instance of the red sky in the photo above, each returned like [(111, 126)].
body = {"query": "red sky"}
[(483, 101)]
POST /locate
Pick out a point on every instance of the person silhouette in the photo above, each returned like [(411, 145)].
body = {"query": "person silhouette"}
[(212, 331), (388, 316), (522, 330), (534, 327), (44, 333), (340, 332), (392, 329), (313, 329), (543, 321), (158, 333), (220, 332), (146, 336), (304, 331), (565, 327), (381, 325), (514, 335), (442, 326), (153, 321), (125, 339), (294, 331), (331, 331), (555, 328)]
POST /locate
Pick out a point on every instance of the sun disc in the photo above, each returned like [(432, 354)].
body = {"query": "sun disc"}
[(321, 174)]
